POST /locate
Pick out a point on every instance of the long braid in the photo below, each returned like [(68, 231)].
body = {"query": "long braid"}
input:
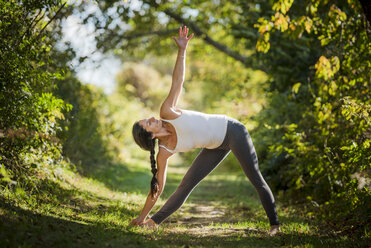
[(154, 182), (144, 140)]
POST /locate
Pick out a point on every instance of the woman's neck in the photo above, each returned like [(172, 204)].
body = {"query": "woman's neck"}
[(168, 139)]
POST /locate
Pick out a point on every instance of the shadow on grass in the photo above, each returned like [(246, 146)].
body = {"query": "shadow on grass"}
[(24, 228), (236, 198), (239, 197), (247, 238)]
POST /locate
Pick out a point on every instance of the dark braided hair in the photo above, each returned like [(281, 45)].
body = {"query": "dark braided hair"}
[(145, 141)]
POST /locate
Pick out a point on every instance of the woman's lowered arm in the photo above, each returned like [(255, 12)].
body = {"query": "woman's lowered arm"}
[(162, 158)]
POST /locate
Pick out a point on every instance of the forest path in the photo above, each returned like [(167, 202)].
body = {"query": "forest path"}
[(223, 211)]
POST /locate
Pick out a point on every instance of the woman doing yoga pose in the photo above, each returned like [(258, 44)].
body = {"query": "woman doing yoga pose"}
[(181, 130)]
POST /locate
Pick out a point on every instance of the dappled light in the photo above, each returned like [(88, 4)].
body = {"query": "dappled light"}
[(295, 73)]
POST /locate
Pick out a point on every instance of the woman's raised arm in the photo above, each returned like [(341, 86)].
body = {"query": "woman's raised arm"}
[(168, 108)]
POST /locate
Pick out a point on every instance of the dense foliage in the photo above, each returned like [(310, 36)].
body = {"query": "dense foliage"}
[(319, 125), (48, 118), (29, 112), (84, 131)]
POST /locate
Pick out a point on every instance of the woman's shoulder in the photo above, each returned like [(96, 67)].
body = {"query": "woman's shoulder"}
[(170, 113)]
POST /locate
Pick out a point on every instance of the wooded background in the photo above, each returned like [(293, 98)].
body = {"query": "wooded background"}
[(297, 73)]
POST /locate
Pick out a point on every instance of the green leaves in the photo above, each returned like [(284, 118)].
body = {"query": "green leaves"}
[(28, 110), (263, 44), (330, 142), (5, 175), (326, 68), (282, 5), (353, 109), (295, 87)]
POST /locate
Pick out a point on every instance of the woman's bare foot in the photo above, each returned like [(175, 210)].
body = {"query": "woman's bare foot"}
[(150, 224), (274, 230)]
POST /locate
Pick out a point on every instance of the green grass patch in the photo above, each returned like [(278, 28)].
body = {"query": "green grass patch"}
[(223, 211)]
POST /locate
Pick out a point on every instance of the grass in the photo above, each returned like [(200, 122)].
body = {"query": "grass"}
[(223, 211)]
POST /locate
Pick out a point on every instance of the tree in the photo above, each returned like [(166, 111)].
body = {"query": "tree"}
[(28, 110), (323, 154)]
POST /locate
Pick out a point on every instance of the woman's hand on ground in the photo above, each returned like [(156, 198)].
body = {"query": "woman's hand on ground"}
[(182, 41), (150, 224), (137, 221)]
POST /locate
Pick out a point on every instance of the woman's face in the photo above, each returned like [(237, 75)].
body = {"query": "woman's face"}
[(151, 125)]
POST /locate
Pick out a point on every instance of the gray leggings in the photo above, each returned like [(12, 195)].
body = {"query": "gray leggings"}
[(238, 140)]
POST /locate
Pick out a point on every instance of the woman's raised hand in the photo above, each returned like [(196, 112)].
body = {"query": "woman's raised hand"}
[(182, 41)]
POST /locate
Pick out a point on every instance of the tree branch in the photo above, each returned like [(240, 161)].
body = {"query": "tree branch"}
[(208, 39), (32, 25), (159, 32), (248, 62), (38, 36), (37, 21)]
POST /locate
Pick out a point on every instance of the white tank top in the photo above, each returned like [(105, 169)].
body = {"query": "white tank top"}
[(198, 130)]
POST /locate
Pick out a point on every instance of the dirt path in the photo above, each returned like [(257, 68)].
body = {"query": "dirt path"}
[(223, 211), (200, 216), (208, 213)]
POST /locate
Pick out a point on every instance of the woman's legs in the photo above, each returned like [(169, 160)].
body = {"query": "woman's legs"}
[(206, 161), (239, 141), (242, 147)]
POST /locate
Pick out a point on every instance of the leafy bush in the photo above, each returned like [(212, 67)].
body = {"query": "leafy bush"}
[(85, 132), (143, 82), (29, 113), (319, 127)]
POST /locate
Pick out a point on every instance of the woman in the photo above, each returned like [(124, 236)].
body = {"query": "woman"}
[(182, 130)]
